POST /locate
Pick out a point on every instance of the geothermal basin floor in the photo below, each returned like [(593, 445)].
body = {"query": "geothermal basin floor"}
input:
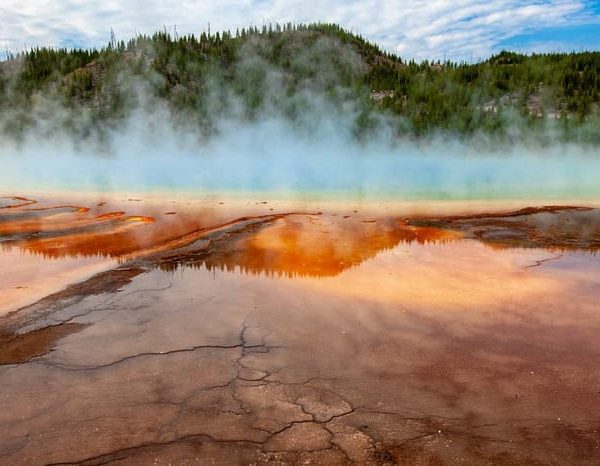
[(251, 335)]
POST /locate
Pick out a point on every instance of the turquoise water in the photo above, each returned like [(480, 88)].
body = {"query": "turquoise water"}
[(444, 172)]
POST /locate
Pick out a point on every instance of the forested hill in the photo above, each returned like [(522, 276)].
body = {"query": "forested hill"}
[(294, 69)]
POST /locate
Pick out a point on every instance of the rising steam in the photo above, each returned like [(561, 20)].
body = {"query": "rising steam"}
[(324, 139)]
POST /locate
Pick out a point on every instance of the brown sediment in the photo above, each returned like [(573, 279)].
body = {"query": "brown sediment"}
[(107, 235), (21, 202), (87, 236), (77, 209), (551, 227), (139, 218), (52, 232), (299, 245), (349, 342), (519, 213), (111, 215), (291, 247), (19, 348), (61, 227), (261, 370), (106, 282), (133, 264), (185, 243)]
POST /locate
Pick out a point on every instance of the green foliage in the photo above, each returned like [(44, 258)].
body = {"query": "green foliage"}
[(279, 68)]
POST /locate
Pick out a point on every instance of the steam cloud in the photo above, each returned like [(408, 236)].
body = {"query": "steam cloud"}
[(293, 144)]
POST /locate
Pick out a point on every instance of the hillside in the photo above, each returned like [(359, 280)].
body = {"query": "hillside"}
[(293, 71)]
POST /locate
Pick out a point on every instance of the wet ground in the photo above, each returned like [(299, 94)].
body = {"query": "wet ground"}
[(242, 335)]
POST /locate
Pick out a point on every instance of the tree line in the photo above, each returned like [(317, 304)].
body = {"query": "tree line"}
[(275, 67)]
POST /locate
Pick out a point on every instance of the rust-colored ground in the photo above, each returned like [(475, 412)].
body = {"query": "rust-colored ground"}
[(244, 335)]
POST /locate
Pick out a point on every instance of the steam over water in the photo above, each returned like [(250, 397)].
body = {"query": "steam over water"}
[(272, 157), (300, 143)]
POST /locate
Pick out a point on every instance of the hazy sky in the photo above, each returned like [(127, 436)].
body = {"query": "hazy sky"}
[(459, 29)]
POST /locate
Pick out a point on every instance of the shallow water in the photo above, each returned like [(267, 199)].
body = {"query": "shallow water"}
[(50, 241), (26, 278), (268, 158), (326, 338)]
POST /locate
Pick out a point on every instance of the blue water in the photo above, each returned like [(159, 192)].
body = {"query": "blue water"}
[(273, 161)]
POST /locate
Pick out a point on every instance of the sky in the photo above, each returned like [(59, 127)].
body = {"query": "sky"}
[(458, 30)]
